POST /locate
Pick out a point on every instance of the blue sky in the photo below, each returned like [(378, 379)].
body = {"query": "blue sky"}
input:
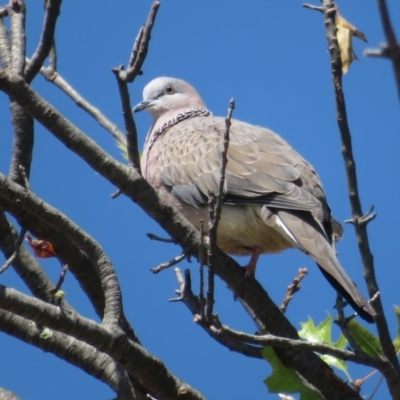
[(272, 58)]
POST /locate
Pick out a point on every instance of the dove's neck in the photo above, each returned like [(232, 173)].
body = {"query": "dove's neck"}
[(167, 120)]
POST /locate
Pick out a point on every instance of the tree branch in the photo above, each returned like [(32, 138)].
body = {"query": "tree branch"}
[(192, 302), (5, 46), (392, 49), (356, 209), (140, 48), (73, 351), (46, 40), (16, 12), (54, 77), (11, 194), (148, 370)]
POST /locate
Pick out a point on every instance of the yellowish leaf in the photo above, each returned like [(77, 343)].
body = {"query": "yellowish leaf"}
[(345, 33)]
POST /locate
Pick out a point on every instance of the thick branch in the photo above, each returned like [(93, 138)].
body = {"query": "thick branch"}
[(75, 352), (13, 197), (5, 46), (16, 12), (148, 370)]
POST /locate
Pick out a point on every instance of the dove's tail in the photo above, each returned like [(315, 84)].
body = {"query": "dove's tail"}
[(307, 235)]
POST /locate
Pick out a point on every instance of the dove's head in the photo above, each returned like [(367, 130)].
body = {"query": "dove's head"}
[(168, 97)]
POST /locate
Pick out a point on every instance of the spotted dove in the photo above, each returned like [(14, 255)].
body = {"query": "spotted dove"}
[(272, 199)]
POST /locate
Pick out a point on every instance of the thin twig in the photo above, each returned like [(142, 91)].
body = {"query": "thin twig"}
[(63, 272), (23, 231), (376, 388), (185, 292), (152, 236), (138, 55), (365, 219), (17, 245), (342, 323), (213, 225), (392, 50), (315, 8), (132, 148), (135, 48), (201, 270), (140, 48), (293, 288), (170, 263), (54, 77), (46, 40), (275, 341), (191, 301), (215, 209)]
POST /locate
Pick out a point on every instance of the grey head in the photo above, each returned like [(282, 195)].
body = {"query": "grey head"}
[(165, 97)]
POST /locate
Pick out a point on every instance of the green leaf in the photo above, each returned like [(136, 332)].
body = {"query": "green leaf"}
[(322, 334), (368, 342), (286, 380), (396, 341)]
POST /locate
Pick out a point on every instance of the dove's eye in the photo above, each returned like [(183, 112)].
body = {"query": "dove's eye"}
[(169, 89)]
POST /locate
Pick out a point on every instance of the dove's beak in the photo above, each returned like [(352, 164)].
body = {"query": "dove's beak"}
[(142, 106)]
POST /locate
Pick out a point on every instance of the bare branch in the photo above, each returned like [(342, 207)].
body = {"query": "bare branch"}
[(130, 126), (365, 219), (356, 209), (46, 40), (16, 12), (138, 55), (293, 288), (215, 209), (152, 236), (136, 360), (170, 263), (55, 78), (315, 8), (191, 301), (271, 340), (392, 49), (23, 231), (5, 44), (31, 204), (342, 323), (69, 349), (201, 272), (25, 265), (13, 256), (140, 48)]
